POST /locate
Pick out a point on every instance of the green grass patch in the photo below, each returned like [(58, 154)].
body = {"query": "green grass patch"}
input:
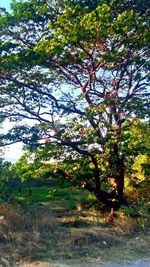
[(39, 194), (69, 195)]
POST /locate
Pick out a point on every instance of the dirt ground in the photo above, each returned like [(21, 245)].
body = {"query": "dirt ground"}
[(51, 236)]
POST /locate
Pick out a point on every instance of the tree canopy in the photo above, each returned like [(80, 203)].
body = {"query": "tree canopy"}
[(80, 71)]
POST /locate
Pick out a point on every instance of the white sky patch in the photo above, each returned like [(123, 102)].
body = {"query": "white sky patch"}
[(13, 151)]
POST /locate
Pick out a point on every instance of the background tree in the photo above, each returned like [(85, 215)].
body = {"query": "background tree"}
[(137, 147), (79, 70), (31, 169)]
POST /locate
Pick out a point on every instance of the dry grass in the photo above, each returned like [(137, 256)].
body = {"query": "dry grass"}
[(124, 225), (24, 233), (43, 233)]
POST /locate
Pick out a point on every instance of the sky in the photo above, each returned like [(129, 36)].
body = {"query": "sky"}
[(14, 151), (5, 3)]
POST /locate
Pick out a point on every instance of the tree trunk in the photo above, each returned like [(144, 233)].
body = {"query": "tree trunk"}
[(120, 168), (30, 191), (110, 199), (96, 176), (120, 185)]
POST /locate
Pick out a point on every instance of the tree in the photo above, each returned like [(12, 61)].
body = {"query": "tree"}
[(79, 69), (4, 169), (136, 143), (5, 175), (30, 169)]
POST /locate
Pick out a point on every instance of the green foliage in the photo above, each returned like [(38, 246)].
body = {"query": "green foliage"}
[(4, 169), (136, 143), (138, 211), (79, 70), (5, 177), (140, 169), (27, 168), (22, 169)]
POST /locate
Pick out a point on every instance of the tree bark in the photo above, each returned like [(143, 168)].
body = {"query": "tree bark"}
[(120, 168), (96, 176)]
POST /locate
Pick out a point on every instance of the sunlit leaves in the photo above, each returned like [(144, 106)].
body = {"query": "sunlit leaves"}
[(79, 70)]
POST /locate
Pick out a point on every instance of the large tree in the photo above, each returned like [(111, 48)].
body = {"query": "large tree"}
[(79, 70)]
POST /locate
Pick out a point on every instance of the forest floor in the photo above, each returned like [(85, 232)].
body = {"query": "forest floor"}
[(49, 233)]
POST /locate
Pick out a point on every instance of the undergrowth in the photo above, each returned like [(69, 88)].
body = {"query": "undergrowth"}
[(63, 223)]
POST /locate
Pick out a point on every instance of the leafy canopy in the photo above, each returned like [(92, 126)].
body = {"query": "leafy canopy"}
[(80, 71)]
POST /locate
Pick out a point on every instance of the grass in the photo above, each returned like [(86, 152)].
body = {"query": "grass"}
[(55, 230), (70, 196), (54, 235), (39, 194)]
